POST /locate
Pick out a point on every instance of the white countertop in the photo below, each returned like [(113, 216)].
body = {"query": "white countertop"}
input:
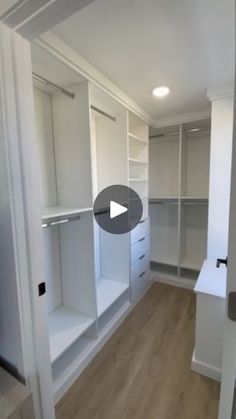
[(212, 280)]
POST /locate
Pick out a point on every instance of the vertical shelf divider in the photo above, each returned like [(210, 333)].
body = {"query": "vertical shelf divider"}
[(180, 175)]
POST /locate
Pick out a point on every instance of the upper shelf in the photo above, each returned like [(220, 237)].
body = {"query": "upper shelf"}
[(58, 212), (136, 161), (137, 139)]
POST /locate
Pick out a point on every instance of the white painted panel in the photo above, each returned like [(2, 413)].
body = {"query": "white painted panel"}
[(193, 235), (196, 162), (212, 280), (108, 291), (45, 146), (164, 167), (112, 163), (52, 267), (65, 326), (114, 256), (209, 330), (164, 233), (77, 265), (72, 148), (220, 171)]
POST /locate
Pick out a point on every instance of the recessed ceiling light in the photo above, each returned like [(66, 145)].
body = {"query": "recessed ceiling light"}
[(161, 91)]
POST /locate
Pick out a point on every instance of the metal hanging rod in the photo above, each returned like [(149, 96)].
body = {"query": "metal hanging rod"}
[(187, 131), (94, 108), (61, 221), (41, 79)]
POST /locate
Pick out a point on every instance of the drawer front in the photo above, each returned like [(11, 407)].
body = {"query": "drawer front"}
[(141, 230), (139, 249), (139, 277)]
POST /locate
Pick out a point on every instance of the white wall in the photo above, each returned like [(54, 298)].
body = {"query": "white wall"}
[(220, 176)]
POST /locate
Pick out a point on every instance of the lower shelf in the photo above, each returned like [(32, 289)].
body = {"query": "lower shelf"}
[(65, 326), (108, 291)]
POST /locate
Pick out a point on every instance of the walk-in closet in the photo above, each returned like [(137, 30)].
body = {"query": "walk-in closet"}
[(117, 209)]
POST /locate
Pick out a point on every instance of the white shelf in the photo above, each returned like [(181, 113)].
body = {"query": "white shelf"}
[(56, 212), (138, 139), (172, 263), (212, 280), (191, 264), (65, 326), (136, 161), (137, 180), (200, 198), (108, 291)]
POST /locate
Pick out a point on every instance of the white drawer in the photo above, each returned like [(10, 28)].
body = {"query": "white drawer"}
[(139, 249), (139, 277), (141, 230)]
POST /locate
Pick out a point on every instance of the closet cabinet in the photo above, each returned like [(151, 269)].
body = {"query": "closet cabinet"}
[(178, 200), (87, 141)]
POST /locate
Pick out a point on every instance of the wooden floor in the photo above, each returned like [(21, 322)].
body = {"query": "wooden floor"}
[(143, 372)]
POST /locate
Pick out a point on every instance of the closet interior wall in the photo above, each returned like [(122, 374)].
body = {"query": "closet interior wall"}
[(178, 200)]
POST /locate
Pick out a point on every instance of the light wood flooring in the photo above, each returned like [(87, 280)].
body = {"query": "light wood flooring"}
[(143, 372)]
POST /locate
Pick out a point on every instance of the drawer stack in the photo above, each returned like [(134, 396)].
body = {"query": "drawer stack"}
[(139, 258)]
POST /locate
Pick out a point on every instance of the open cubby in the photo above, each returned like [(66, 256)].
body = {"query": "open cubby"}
[(164, 232), (194, 216), (195, 164), (67, 220), (69, 278), (164, 166)]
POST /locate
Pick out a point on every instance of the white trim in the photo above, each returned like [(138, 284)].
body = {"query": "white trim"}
[(173, 280), (60, 50), (62, 385), (207, 370), (222, 92), (183, 118)]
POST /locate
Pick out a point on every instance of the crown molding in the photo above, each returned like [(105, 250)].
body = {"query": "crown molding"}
[(222, 92), (183, 118), (60, 50)]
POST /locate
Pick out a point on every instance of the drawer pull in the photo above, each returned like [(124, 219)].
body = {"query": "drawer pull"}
[(141, 257), (141, 240), (143, 273)]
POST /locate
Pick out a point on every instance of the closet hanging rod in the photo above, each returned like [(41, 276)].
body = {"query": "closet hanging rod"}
[(170, 134), (61, 221), (41, 79), (94, 108)]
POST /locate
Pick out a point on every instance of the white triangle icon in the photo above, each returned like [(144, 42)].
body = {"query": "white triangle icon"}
[(116, 209)]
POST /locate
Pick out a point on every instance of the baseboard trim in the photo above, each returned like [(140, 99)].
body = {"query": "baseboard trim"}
[(173, 280), (207, 370)]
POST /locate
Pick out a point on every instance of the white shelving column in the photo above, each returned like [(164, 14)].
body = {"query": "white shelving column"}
[(63, 141), (138, 157), (179, 178), (109, 151)]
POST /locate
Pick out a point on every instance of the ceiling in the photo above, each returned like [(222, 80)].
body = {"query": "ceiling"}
[(187, 45)]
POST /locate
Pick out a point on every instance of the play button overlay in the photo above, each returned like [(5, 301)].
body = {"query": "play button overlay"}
[(118, 209)]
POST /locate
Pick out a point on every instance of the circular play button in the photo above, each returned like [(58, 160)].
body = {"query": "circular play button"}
[(118, 209)]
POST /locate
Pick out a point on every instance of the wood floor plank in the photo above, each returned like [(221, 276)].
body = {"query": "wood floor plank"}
[(143, 372)]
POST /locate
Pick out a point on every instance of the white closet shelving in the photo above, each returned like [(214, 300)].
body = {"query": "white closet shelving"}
[(178, 199), (93, 278), (138, 181), (109, 149), (66, 200)]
